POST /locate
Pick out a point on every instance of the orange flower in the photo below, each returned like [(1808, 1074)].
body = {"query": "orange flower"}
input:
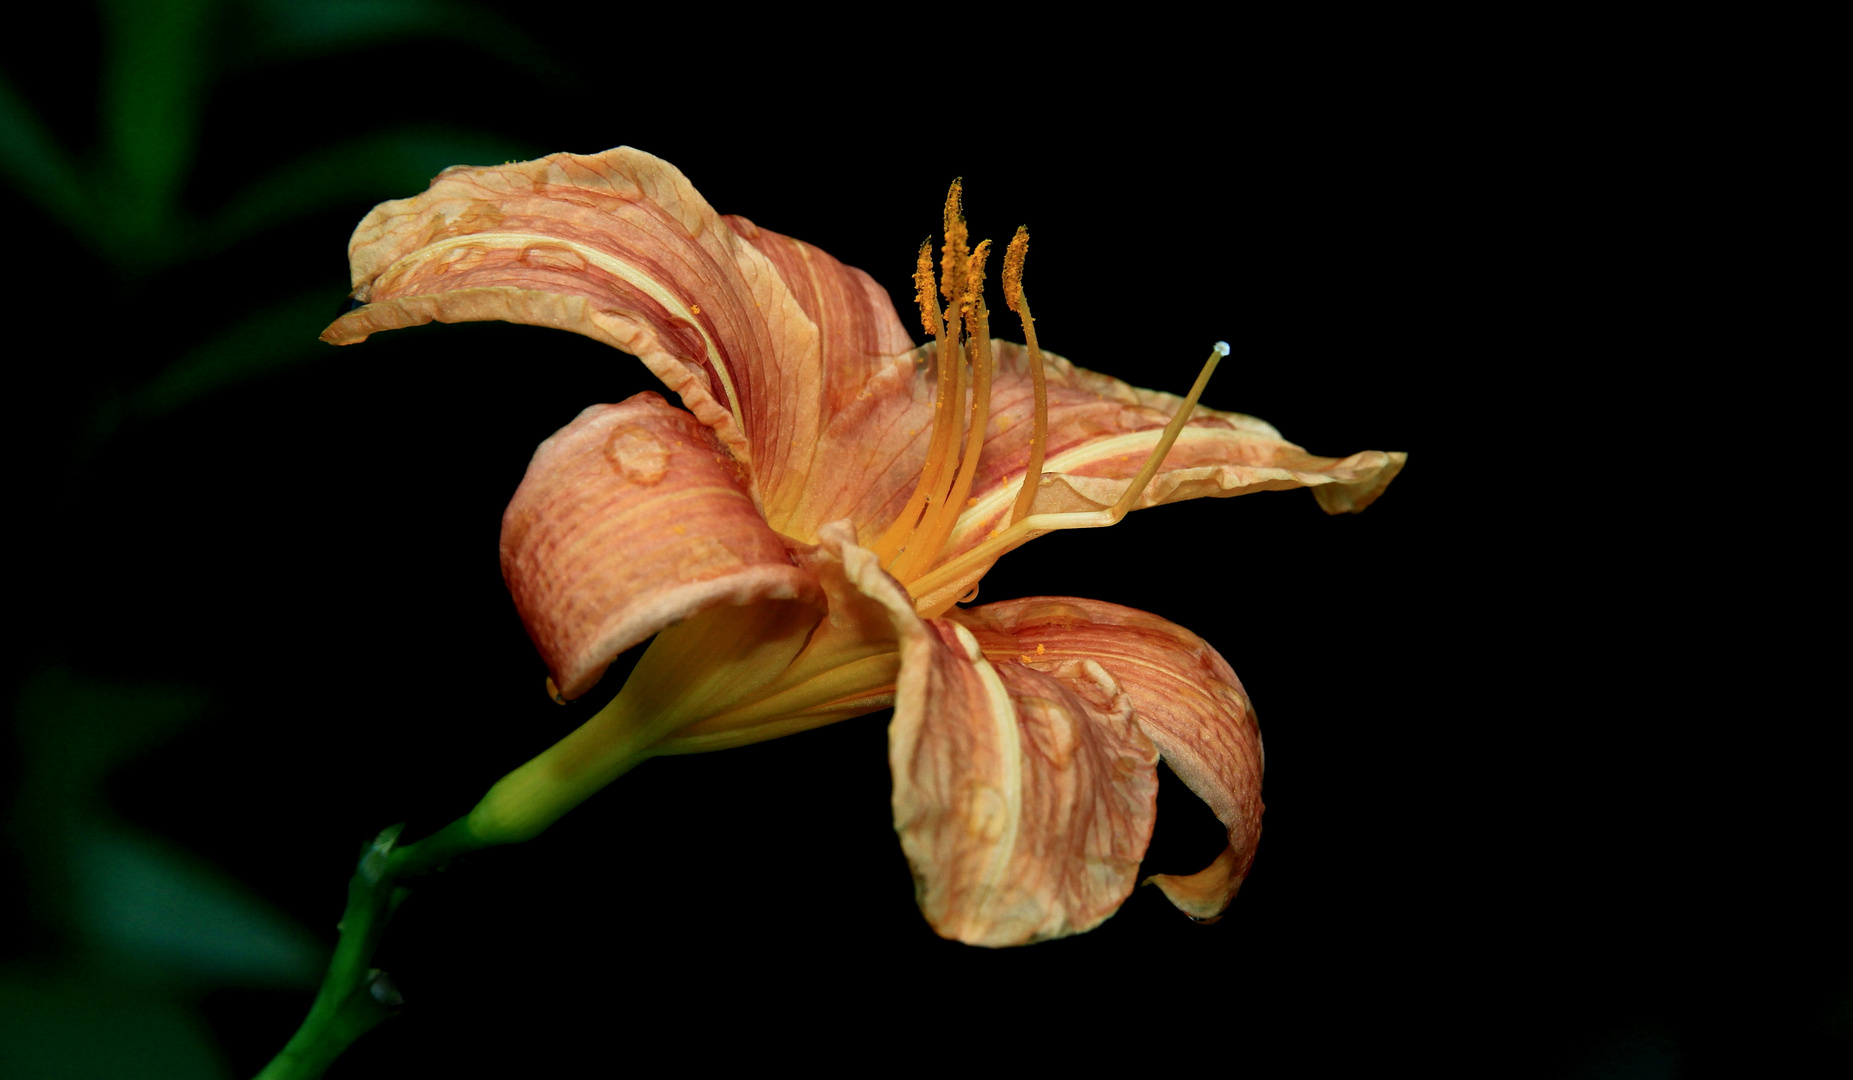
[(797, 534)]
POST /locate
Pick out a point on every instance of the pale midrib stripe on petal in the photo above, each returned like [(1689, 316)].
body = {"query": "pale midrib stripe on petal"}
[(1141, 443), (614, 266), (1009, 740), (1135, 442)]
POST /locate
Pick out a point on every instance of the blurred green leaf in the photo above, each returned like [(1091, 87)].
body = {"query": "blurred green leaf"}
[(1644, 1053), (159, 912), (263, 342), (396, 163), (34, 163), (149, 908), (63, 1027), (1839, 1022), (75, 731), (156, 66), (298, 29)]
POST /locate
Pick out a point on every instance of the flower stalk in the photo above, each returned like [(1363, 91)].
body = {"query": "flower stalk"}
[(355, 997)]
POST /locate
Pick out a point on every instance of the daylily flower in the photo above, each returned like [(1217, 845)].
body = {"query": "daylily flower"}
[(797, 533)]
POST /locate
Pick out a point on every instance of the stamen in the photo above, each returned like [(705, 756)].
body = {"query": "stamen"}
[(933, 593), (1017, 302), (942, 515), (946, 421)]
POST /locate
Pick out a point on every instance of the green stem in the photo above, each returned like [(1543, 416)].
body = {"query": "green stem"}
[(356, 997)]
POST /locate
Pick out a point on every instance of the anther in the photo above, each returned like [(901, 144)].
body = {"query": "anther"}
[(974, 286), (1013, 268), (923, 288), (957, 250)]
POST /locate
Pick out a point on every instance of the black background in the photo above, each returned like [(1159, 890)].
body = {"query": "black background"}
[(1502, 834)]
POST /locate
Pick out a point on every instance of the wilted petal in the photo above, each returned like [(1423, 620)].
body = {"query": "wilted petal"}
[(1185, 698), (630, 518), (1024, 800), (620, 247), (1101, 430)]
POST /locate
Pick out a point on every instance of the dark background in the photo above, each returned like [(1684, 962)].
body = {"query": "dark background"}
[(1510, 827)]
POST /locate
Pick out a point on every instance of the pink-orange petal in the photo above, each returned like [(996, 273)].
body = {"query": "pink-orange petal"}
[(630, 518), (1024, 800), (1185, 697), (1102, 429), (618, 246), (865, 357)]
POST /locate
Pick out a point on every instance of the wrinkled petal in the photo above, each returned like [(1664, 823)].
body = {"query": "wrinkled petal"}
[(798, 363), (620, 247), (1024, 800), (1185, 697), (630, 518), (1101, 430)]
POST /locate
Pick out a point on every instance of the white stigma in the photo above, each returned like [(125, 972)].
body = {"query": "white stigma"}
[(1222, 348)]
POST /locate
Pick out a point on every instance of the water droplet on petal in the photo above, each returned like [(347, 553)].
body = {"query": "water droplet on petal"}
[(637, 454)]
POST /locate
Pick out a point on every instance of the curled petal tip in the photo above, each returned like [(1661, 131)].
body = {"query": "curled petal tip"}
[(1206, 894), (629, 519)]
